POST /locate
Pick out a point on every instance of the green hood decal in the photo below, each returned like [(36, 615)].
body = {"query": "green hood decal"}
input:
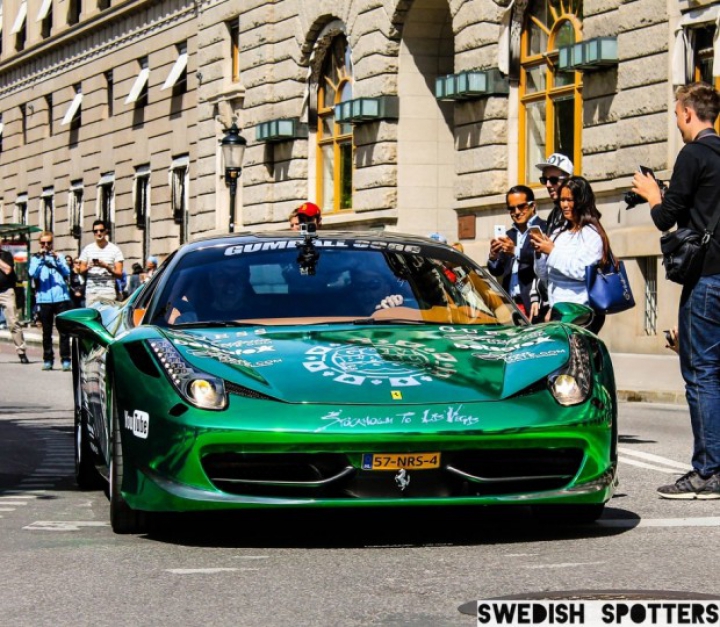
[(344, 364)]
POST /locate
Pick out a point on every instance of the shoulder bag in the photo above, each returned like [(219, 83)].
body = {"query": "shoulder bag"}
[(683, 249), (608, 287), (683, 252)]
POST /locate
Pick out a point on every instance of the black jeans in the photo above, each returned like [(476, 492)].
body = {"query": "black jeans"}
[(48, 311)]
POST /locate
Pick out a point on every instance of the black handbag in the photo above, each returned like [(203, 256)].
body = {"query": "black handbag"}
[(683, 252), (608, 287), (683, 249)]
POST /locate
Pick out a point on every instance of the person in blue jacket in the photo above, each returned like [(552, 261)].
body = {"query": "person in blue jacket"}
[(50, 272)]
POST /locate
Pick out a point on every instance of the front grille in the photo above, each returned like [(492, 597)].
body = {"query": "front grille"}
[(477, 472)]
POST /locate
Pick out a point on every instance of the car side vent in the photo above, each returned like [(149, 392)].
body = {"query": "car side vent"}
[(142, 359), (233, 388), (178, 410)]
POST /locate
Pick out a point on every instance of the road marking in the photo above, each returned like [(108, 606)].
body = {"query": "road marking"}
[(634, 462), (4, 502), (660, 522), (654, 458), (205, 571), (561, 565), (63, 525), (7, 509)]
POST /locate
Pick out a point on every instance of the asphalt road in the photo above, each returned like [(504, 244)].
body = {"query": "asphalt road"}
[(62, 565)]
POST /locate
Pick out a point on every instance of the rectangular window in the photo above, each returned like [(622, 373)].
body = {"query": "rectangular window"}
[(103, 4), (19, 23), (141, 195), (50, 113), (234, 30), (47, 208), (75, 208), (648, 269), (106, 200), (21, 209), (109, 93), (23, 124), (2, 128), (74, 12), (179, 173), (74, 112), (45, 17), (177, 78), (139, 92)]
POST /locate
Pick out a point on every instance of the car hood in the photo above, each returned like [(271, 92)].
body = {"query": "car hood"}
[(346, 364)]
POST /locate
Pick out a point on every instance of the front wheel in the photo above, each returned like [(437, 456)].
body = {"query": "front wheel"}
[(123, 518)]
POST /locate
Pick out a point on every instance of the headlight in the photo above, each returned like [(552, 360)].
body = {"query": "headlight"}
[(572, 384), (196, 387)]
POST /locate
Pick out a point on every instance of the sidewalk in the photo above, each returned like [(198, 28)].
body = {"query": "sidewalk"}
[(639, 378)]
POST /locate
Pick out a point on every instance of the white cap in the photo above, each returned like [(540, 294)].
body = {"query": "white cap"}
[(559, 161)]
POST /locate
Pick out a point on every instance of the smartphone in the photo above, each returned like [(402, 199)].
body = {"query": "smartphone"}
[(536, 228), (647, 171), (669, 338), (96, 261), (500, 231)]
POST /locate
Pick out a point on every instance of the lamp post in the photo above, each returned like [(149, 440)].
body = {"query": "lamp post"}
[(233, 150)]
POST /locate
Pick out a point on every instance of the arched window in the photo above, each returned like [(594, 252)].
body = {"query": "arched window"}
[(334, 141), (550, 100)]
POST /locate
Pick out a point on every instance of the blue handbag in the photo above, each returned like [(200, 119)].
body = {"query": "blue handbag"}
[(608, 287)]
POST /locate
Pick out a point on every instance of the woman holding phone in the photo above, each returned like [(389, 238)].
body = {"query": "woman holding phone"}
[(512, 255), (580, 242)]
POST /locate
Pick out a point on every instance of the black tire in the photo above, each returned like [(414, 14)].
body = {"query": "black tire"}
[(87, 476), (568, 514), (123, 518)]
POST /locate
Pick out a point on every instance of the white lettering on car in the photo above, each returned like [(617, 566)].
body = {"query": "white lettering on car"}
[(138, 423)]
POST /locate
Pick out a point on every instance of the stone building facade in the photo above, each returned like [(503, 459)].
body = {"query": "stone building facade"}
[(423, 162)]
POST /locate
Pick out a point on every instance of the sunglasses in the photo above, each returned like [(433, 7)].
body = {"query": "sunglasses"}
[(46, 244), (553, 180), (523, 206), (99, 230)]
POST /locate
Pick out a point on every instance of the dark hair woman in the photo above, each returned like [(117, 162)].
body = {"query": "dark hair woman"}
[(581, 241)]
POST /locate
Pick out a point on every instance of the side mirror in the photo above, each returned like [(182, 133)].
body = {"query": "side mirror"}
[(572, 313), (84, 323)]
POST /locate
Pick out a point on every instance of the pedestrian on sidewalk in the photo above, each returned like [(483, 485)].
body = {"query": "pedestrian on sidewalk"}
[(101, 262), (691, 199), (51, 273), (554, 171), (8, 281)]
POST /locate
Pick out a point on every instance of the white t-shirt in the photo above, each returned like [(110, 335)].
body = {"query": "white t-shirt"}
[(100, 282)]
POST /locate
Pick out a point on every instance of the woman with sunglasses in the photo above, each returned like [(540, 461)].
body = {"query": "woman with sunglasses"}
[(102, 263), (580, 242), (512, 256)]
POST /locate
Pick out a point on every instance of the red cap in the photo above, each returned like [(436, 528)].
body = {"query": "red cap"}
[(309, 209)]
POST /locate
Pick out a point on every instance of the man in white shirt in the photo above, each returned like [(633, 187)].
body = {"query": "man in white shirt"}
[(102, 263)]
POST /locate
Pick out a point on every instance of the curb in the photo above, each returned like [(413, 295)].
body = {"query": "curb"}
[(671, 397)]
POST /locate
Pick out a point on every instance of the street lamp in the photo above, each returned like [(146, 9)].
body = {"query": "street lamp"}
[(233, 150)]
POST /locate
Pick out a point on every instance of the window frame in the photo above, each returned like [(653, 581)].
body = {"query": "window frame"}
[(550, 94), (340, 136)]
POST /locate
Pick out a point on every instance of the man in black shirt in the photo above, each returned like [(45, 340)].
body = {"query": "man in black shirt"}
[(691, 199), (8, 280)]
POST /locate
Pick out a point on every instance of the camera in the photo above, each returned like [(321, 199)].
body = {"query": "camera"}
[(632, 199)]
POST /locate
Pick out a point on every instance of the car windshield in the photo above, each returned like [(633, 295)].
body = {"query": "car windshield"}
[(295, 281)]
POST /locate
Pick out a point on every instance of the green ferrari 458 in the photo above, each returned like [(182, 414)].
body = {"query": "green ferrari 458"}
[(337, 369)]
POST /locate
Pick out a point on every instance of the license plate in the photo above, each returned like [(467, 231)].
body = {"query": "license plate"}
[(396, 461)]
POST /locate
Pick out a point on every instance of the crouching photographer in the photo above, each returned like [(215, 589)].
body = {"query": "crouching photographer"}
[(692, 201)]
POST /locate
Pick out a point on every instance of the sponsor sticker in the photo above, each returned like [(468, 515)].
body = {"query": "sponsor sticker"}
[(138, 422)]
